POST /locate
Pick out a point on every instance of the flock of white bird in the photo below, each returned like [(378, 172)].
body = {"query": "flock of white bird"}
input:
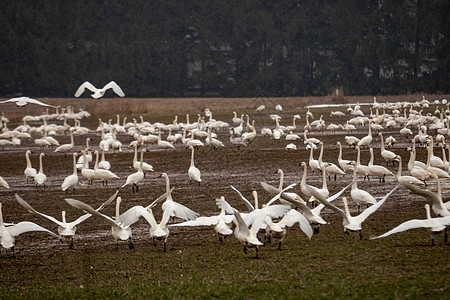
[(271, 218)]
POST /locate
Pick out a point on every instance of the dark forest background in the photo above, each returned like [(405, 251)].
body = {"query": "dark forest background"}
[(232, 48)]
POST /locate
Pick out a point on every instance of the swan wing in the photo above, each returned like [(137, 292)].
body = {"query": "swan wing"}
[(85, 85), (87, 216), (366, 213), (276, 197), (32, 210), (180, 211), (325, 201), (89, 209), (160, 198), (292, 217), (411, 224), (223, 204), (115, 87), (270, 188), (200, 221), (23, 227), (432, 197), (133, 214), (247, 203)]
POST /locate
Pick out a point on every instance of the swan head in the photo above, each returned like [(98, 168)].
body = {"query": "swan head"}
[(279, 171), (42, 154), (302, 164), (338, 143), (164, 175)]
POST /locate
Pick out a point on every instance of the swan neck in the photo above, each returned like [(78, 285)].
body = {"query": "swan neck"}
[(63, 216), (141, 164), (399, 174), (1, 215), (305, 169), (427, 209), (27, 156), (371, 157), (340, 152), (135, 154), (96, 160), (281, 180), (75, 163), (41, 169), (118, 206), (347, 211), (255, 196), (167, 184)]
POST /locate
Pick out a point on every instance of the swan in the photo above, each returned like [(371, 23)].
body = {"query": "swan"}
[(249, 236), (65, 230), (437, 204), (22, 101), (164, 144), (135, 178), (177, 210), (8, 234), (194, 172), (237, 140), (351, 140), (3, 183), (365, 141), (377, 170), (345, 164), (278, 229), (102, 174), (303, 184), (351, 223), (388, 155), (66, 147), (88, 155), (435, 161), (103, 164), (40, 177), (359, 168), (309, 140), (98, 93), (220, 222), (213, 142), (260, 108), (71, 180), (434, 225), (29, 172), (146, 168), (313, 163), (119, 230), (439, 172), (87, 173), (402, 179), (361, 197)]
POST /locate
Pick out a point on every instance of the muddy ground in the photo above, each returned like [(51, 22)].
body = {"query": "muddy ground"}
[(243, 168)]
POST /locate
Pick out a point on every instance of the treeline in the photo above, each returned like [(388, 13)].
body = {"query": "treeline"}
[(179, 48)]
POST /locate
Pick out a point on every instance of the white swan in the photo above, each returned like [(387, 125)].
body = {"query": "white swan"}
[(434, 225), (243, 234), (359, 168), (88, 155), (437, 204), (388, 155), (119, 230), (66, 147), (22, 101), (345, 164), (213, 142), (435, 161), (98, 93), (40, 177), (135, 178), (377, 170), (238, 141), (102, 174), (29, 172), (365, 141), (351, 223), (87, 173), (8, 234), (313, 163), (103, 164), (402, 179), (65, 230), (164, 144), (361, 197), (439, 172), (220, 222), (71, 180), (146, 168), (194, 172)]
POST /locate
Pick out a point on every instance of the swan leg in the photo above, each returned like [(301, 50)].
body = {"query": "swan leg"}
[(360, 235), (316, 229), (281, 240), (130, 245), (154, 241), (117, 245), (257, 256), (165, 246), (220, 237), (245, 247), (13, 253), (432, 241), (71, 244), (445, 235)]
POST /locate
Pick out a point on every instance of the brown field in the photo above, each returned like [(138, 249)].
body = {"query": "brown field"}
[(196, 265)]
